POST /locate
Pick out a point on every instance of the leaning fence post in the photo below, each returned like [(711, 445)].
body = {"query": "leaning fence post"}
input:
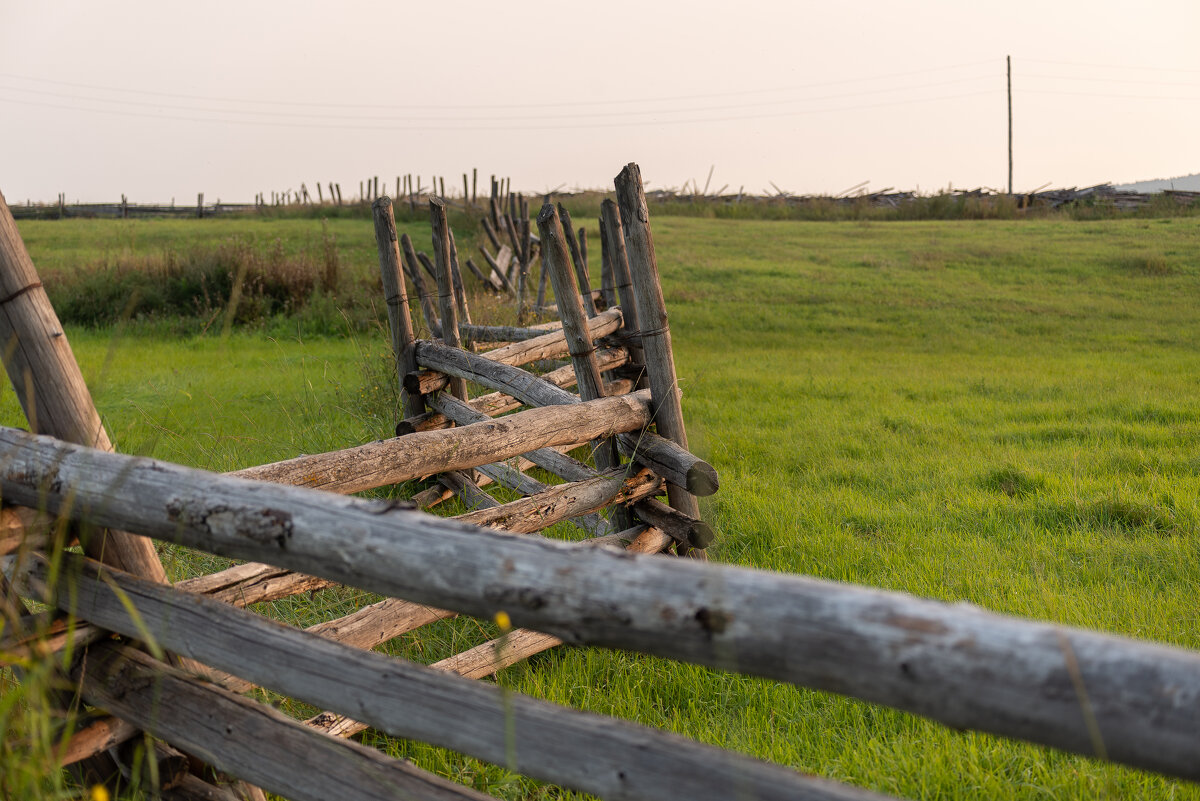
[(50, 386), (585, 284), (396, 296), (555, 262), (441, 255), (652, 320), (619, 260)]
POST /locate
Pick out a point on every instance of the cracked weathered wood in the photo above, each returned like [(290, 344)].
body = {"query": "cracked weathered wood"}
[(396, 298), (503, 256), (584, 288), (50, 386), (655, 333), (248, 739), (428, 309), (427, 453), (252, 583), (603, 756), (615, 233), (608, 289), (460, 292), (497, 403), (494, 655), (669, 460), (563, 501), (446, 296), (966, 667), (547, 346), (680, 527), (579, 342)]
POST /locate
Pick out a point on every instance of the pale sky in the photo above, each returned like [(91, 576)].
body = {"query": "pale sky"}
[(161, 100)]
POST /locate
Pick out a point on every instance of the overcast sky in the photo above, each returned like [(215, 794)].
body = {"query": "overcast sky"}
[(160, 99)]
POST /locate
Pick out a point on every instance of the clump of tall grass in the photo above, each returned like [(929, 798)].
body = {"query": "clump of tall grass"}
[(232, 282)]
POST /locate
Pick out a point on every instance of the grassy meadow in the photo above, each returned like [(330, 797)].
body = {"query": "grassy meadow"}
[(1002, 412)]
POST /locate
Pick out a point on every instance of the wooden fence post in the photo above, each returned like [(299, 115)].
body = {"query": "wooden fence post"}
[(585, 284), (446, 301), (579, 340), (50, 386), (619, 260), (652, 320), (396, 296), (200, 205)]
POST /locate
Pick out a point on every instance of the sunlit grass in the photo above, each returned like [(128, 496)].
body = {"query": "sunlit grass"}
[(1002, 413)]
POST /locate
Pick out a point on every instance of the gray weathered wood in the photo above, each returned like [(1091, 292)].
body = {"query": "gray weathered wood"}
[(460, 292), (547, 346), (446, 295), (427, 453), (652, 321), (677, 525), (501, 333), (584, 290), (252, 583), (596, 754), (669, 460), (562, 501), (247, 739), (615, 237), (499, 273), (496, 403), (49, 385), (414, 270), (608, 289), (396, 297), (954, 663), (555, 241), (494, 655)]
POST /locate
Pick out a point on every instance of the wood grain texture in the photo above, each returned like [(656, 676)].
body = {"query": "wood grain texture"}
[(50, 387), (428, 309), (584, 288), (563, 501), (427, 453), (968, 668), (548, 346), (497, 403), (395, 295), (571, 312), (664, 457), (652, 322), (615, 233), (604, 756), (247, 739), (445, 282)]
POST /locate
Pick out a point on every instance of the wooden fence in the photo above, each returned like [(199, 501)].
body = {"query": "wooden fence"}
[(174, 660)]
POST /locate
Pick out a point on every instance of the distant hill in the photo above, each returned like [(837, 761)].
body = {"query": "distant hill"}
[(1184, 183)]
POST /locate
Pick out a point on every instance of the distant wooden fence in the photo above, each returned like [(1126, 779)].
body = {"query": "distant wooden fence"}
[(1132, 702)]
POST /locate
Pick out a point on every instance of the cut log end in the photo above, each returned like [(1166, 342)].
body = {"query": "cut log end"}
[(702, 480), (701, 535)]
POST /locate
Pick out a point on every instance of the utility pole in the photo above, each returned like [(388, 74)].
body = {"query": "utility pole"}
[(1008, 60)]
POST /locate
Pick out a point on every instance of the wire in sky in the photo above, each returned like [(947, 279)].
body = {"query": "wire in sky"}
[(444, 128), (473, 106), (494, 118)]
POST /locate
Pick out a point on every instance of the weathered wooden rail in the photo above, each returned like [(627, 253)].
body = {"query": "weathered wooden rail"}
[(174, 661)]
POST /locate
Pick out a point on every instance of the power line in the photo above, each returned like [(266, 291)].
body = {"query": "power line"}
[(616, 124), (503, 118), (1112, 66), (473, 106)]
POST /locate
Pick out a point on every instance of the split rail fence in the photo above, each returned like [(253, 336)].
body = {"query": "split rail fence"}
[(175, 660)]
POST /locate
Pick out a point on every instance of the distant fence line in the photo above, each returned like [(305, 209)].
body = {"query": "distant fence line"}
[(413, 192)]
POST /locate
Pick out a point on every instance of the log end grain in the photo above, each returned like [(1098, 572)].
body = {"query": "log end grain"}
[(702, 480)]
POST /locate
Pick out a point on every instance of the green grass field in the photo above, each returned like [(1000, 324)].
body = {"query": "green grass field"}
[(999, 412)]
